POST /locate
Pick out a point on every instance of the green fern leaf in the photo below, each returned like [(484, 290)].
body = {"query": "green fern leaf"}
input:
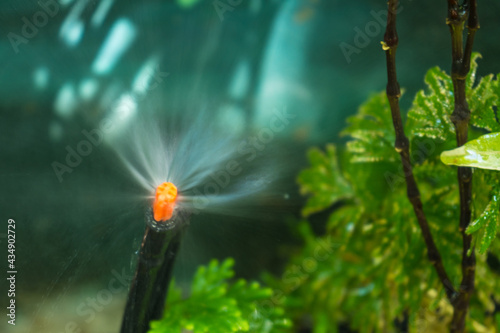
[(323, 181), (490, 233), (218, 307), (482, 98), (488, 221), (429, 115), (372, 131)]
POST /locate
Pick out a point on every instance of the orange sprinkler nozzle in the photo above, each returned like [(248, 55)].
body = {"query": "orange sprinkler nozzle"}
[(164, 204)]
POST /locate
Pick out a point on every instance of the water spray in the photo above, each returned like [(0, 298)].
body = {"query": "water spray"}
[(165, 225), (189, 166)]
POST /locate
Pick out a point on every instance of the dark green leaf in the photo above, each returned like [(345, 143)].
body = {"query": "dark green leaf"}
[(372, 131), (323, 181)]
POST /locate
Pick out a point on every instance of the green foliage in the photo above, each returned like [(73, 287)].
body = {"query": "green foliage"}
[(429, 115), (217, 306), (371, 267), (373, 132), (483, 99), (323, 181), (488, 220)]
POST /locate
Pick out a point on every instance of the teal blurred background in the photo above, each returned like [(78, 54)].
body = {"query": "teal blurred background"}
[(69, 64)]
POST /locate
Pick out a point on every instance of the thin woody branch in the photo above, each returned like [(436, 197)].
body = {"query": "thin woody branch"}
[(457, 14), (472, 27), (402, 146)]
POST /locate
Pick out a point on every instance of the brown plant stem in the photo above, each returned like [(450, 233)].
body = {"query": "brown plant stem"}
[(460, 117), (402, 146)]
